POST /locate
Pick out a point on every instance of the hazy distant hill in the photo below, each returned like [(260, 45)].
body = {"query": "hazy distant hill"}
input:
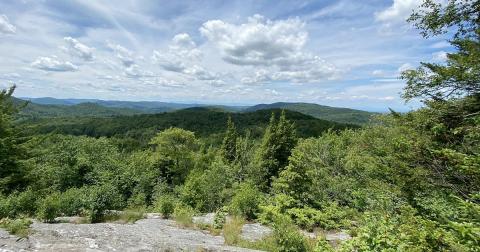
[(148, 107), (32, 110), (343, 115)]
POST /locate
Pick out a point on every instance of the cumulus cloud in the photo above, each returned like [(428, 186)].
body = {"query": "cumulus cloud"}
[(439, 56), (398, 12), (5, 26), (123, 54), (78, 49), (276, 45), (135, 72), (183, 57), (257, 42), (53, 64)]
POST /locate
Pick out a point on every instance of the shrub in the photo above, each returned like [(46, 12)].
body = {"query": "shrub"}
[(322, 245), (137, 200), (287, 237), (19, 227), (329, 217), (16, 204), (246, 201), (49, 208), (73, 201), (165, 204), (183, 215), (101, 198), (220, 218)]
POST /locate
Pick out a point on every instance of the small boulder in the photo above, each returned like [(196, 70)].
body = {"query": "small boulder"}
[(255, 231)]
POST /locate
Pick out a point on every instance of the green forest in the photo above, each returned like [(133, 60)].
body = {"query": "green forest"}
[(401, 182)]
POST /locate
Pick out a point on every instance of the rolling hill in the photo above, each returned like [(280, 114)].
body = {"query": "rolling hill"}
[(32, 110), (205, 122), (342, 115)]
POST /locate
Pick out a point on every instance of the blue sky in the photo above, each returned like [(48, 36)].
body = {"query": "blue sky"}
[(344, 53)]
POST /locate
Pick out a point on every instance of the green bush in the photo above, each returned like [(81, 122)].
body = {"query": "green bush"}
[(16, 204), (220, 218), (246, 201), (183, 215), (288, 238), (165, 204), (74, 201), (102, 198), (49, 208), (322, 245), (19, 227)]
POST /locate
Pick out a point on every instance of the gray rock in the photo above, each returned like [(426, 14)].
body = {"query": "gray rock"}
[(338, 237), (144, 235), (206, 219), (255, 231)]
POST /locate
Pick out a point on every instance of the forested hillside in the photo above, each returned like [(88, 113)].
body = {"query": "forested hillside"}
[(406, 182), (343, 115), (30, 110), (205, 122)]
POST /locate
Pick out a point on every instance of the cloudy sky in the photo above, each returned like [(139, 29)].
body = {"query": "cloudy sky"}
[(342, 53)]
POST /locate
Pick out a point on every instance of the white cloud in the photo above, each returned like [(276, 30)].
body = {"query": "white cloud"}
[(398, 12), (439, 56), (123, 54), (78, 49), (276, 45), (440, 44), (257, 42), (379, 73), (405, 67), (5, 26), (135, 72), (53, 64)]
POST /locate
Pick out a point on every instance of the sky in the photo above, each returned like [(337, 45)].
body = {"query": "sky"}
[(344, 53)]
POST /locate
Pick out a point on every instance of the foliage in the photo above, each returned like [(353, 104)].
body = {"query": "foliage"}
[(229, 144), (12, 171), (175, 148), (49, 208), (460, 76), (165, 204), (341, 115), (220, 218), (246, 201), (183, 215), (102, 198), (19, 227), (288, 238), (208, 190), (277, 143)]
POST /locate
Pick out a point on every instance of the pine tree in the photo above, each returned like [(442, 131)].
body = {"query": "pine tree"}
[(229, 145), (12, 174), (277, 144)]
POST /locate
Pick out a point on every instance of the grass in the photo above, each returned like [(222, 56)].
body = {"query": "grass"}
[(19, 227), (184, 216), (127, 216)]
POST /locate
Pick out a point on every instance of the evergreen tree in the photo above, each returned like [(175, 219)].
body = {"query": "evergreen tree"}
[(229, 145), (277, 144), (12, 173)]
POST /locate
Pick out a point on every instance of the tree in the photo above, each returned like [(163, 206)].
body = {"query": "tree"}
[(12, 173), (277, 144), (460, 76), (229, 145), (174, 148)]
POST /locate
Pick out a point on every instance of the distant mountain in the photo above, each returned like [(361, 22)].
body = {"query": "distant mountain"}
[(148, 107), (342, 115), (32, 110)]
